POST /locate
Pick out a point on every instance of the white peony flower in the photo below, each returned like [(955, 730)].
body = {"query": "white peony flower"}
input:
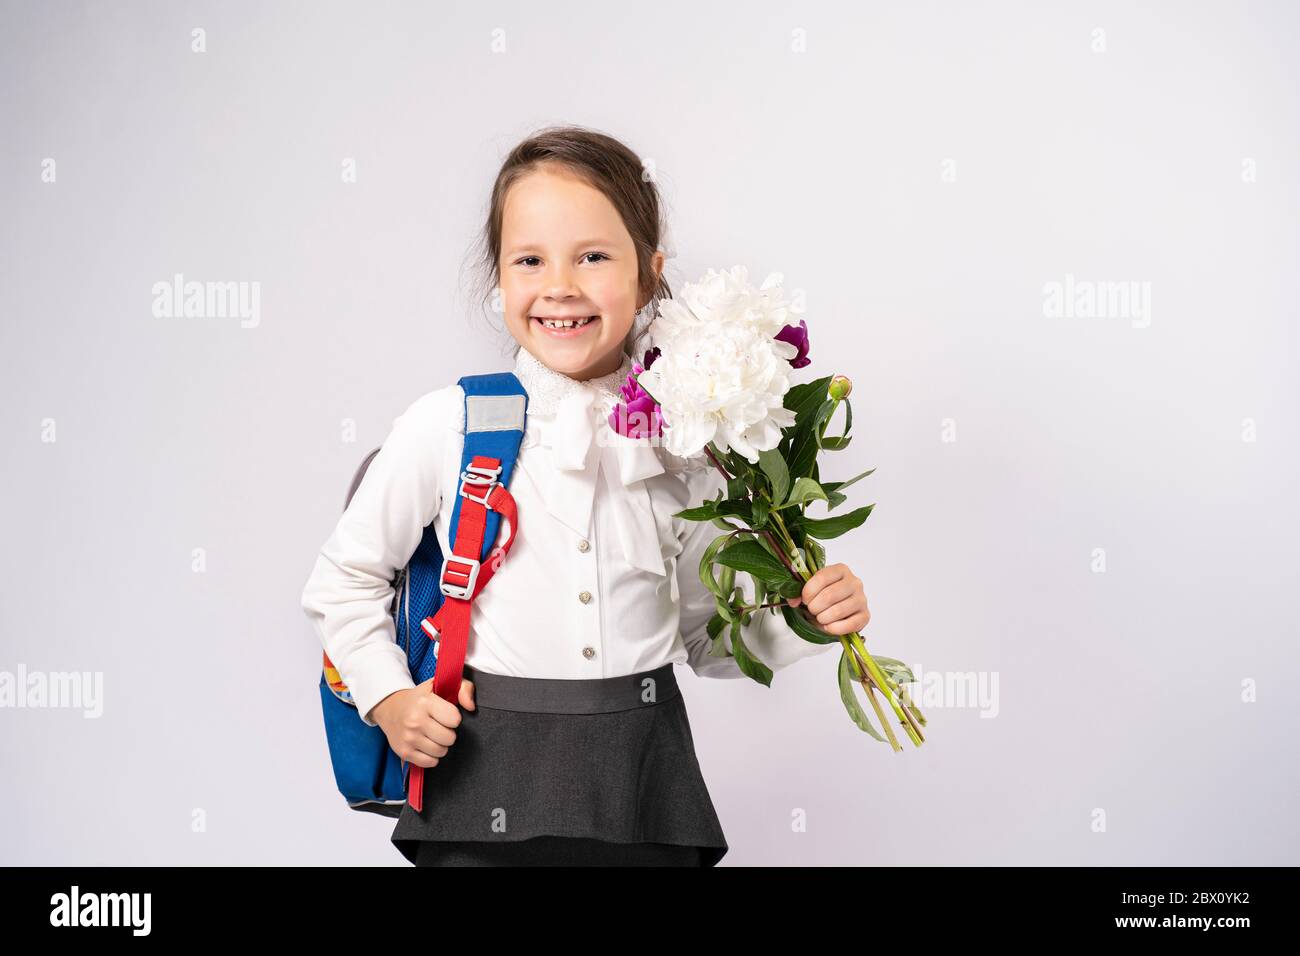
[(721, 375)]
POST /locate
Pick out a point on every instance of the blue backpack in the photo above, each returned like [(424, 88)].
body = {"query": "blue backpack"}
[(368, 772)]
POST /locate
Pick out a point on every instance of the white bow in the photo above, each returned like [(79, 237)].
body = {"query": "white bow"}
[(571, 436)]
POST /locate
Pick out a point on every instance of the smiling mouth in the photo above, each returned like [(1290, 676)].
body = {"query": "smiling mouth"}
[(563, 325)]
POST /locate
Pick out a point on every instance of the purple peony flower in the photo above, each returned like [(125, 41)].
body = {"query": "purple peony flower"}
[(798, 337), (637, 416)]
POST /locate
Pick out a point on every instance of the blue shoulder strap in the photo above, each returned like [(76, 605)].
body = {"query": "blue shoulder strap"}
[(496, 409)]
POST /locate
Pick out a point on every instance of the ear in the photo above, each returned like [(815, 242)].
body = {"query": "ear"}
[(657, 262)]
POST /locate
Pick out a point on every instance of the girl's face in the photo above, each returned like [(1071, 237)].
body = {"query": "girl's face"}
[(565, 253)]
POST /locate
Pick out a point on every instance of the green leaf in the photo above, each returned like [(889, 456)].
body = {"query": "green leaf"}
[(735, 508), (817, 551), (804, 399), (841, 442), (706, 568), (805, 445), (715, 625), (834, 499), (705, 512), (841, 485), (727, 580), (897, 671), (760, 513), (804, 491), (752, 558), (850, 698), (789, 588), (801, 625), (833, 527), (740, 466), (737, 489), (750, 665), (773, 465)]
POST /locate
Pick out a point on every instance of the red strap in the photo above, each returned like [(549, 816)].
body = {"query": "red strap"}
[(451, 620)]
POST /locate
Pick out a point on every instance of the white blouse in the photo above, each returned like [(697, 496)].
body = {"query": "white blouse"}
[(601, 580)]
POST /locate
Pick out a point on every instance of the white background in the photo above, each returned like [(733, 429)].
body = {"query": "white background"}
[(810, 139)]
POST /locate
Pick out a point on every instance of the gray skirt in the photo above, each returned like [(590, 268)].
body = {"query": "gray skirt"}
[(609, 759)]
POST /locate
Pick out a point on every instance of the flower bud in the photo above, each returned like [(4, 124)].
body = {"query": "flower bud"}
[(840, 387)]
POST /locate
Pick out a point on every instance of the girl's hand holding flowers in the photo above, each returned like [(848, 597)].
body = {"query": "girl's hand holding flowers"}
[(834, 596)]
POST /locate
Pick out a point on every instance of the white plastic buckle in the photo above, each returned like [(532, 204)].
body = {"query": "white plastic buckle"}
[(452, 589), (435, 638), (485, 478)]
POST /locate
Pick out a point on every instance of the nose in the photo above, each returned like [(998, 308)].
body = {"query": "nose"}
[(559, 283)]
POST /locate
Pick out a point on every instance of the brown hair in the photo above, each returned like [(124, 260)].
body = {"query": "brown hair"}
[(605, 164)]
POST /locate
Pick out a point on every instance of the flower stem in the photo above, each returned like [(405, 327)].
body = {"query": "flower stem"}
[(888, 687), (869, 687), (759, 607), (870, 674), (789, 541), (779, 550), (717, 464), (911, 707), (878, 677)]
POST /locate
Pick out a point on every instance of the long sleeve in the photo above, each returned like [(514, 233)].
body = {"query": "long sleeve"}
[(350, 589), (767, 636)]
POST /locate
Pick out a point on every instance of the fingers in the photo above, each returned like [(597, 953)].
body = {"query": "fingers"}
[(829, 596), (425, 740), (834, 597), (821, 579), (425, 732), (421, 758), (444, 712), (843, 618)]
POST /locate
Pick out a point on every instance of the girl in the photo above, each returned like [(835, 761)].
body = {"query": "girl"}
[(573, 745)]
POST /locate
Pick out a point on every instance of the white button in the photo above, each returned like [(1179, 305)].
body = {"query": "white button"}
[(584, 545), (589, 652), (585, 597)]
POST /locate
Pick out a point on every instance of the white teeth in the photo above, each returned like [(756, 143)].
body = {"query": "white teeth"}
[(565, 323)]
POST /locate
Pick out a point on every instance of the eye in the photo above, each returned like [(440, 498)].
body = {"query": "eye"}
[(524, 260), (601, 254)]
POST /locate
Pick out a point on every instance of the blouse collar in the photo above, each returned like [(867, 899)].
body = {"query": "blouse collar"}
[(547, 387), (569, 418)]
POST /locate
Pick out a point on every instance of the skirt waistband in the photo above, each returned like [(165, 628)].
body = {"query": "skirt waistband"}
[(548, 695)]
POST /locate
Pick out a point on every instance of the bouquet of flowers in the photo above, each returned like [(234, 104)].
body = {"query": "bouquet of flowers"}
[(717, 383)]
